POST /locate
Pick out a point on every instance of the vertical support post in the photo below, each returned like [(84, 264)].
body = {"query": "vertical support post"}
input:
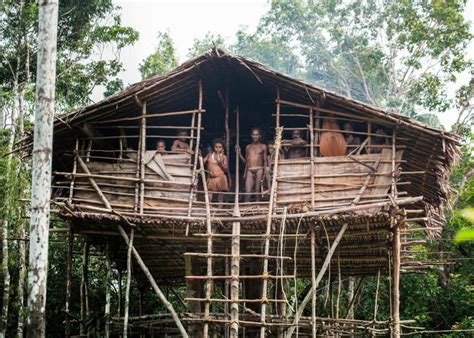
[(226, 120), (369, 137), (84, 287), (278, 109), (317, 136), (74, 170), (69, 256), (396, 282), (376, 303), (88, 151), (196, 152), (395, 248), (313, 284), (193, 122), (108, 281), (142, 156), (311, 137), (209, 286), (120, 296), (127, 287), (226, 292), (235, 246), (271, 203)]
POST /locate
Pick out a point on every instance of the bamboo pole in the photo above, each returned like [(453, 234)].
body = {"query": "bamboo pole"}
[(69, 257), (235, 246), (278, 136), (154, 285), (209, 286), (127, 286), (142, 156), (311, 129), (376, 304), (74, 170), (84, 288), (108, 281), (369, 137), (278, 108), (313, 284), (196, 152), (321, 273)]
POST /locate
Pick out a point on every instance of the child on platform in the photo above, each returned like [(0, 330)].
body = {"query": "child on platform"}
[(181, 144)]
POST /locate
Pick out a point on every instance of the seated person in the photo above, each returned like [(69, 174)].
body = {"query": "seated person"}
[(296, 146), (351, 139), (256, 164), (181, 145), (332, 142), (380, 139), (161, 147), (217, 166)]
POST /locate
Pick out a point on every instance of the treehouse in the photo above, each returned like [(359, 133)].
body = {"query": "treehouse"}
[(313, 216)]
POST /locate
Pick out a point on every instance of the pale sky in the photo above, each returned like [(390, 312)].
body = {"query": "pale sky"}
[(190, 19)]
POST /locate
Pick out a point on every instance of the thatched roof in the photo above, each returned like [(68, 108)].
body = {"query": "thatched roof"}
[(427, 149)]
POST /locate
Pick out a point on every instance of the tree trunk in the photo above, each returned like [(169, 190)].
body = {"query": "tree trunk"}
[(41, 173), (21, 278)]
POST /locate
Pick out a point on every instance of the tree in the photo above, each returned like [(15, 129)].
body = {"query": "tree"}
[(162, 60), (272, 51), (42, 162), (399, 55)]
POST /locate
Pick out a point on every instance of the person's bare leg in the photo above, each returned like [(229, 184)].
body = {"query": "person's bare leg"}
[(249, 184), (220, 201), (258, 184)]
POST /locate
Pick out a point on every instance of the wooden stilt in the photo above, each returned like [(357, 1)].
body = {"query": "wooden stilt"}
[(108, 281), (396, 282), (153, 283), (209, 282), (321, 273), (196, 151), (339, 286), (127, 286), (142, 156), (69, 258), (311, 135), (273, 190), (120, 296), (226, 291), (235, 246), (313, 284), (84, 287), (74, 170), (376, 304)]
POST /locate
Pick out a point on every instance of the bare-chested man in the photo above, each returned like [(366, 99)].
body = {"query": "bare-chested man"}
[(256, 164), (181, 143), (296, 146)]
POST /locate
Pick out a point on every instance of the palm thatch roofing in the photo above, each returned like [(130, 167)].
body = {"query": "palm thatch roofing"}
[(428, 149)]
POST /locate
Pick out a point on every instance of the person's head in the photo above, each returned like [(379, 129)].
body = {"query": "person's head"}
[(296, 134), (161, 146), (182, 135), (218, 146), (348, 126), (271, 146), (256, 134)]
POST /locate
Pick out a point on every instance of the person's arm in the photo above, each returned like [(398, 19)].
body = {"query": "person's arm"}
[(239, 153), (175, 147), (224, 164), (265, 157), (205, 159)]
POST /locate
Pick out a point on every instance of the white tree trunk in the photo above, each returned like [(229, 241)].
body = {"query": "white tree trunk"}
[(41, 172)]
